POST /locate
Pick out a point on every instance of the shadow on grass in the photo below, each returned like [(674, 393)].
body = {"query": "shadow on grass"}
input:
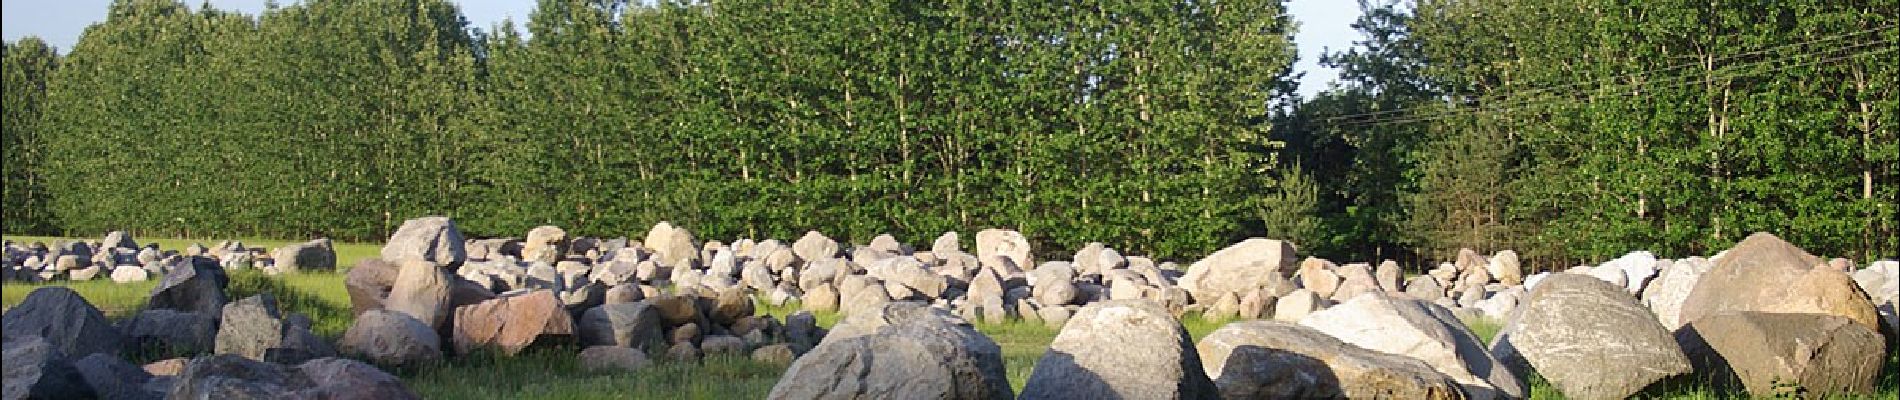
[(328, 318)]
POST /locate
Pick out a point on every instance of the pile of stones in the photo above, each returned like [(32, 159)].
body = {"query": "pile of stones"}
[(120, 258)]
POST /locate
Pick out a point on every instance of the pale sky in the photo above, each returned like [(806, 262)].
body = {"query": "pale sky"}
[(1323, 24)]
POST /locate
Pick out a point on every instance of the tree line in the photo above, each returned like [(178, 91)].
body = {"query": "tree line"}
[(1570, 130)]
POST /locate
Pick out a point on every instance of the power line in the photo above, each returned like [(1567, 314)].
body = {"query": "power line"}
[(1680, 81), (1829, 38)]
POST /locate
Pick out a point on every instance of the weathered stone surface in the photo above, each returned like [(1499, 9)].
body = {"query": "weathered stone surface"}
[(1240, 267), (1424, 287), (1505, 267), (777, 354), (228, 376), (1589, 339), (671, 246), (636, 325), (1389, 276), (1316, 275), (1783, 354), (345, 379), (369, 283), (1281, 360), (867, 298), (683, 352), (732, 304), (119, 239), (545, 243), (130, 273), (253, 328), (114, 378), (421, 290), (195, 284), (946, 245), (814, 246), (1294, 306), (714, 345), (391, 338), (1355, 279), (65, 320), (166, 331), (600, 358), (1765, 274), (315, 255), (435, 239), (1127, 349), (1006, 244), (912, 274), (901, 350), (510, 322), (820, 298), (35, 368), (1665, 294), (1420, 330)]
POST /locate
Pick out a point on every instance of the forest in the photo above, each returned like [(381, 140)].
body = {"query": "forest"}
[(1568, 130)]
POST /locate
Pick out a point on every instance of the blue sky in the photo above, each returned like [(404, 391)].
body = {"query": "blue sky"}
[(1323, 24)]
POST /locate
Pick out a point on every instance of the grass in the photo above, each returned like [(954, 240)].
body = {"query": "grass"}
[(553, 372)]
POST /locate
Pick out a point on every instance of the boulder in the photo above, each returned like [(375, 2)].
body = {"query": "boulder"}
[(84, 274), (434, 239), (118, 240), (1637, 268), (635, 325), (683, 352), (671, 246), (820, 298), (732, 304), (1389, 276), (546, 244), (1240, 267), (1281, 360), (1765, 274), (1589, 339), (345, 379), (1784, 354), (391, 338), (253, 328), (194, 284), (714, 345), (65, 321), (315, 255), (1005, 244), (613, 358), (1665, 294), (114, 378), (946, 245), (1505, 267), (900, 350), (172, 332), (888, 244), (369, 283), (421, 290), (36, 369), (1424, 287), (1316, 274), (815, 246), (130, 273), (1128, 349), (778, 354), (1420, 330), (510, 322), (1295, 306)]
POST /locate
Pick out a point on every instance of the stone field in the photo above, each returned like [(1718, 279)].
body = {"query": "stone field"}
[(1763, 318)]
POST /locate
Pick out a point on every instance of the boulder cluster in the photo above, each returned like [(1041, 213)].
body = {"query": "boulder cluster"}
[(119, 258)]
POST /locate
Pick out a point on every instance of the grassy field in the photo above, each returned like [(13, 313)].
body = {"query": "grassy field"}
[(552, 371)]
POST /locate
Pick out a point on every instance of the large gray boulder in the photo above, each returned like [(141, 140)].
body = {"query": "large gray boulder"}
[(1420, 330), (64, 319), (421, 290), (1589, 339), (636, 325), (1238, 268), (1765, 274), (253, 328), (1784, 354), (171, 332), (391, 338), (1120, 349), (1665, 294), (195, 284), (435, 239), (315, 255), (35, 368), (232, 377), (900, 350), (369, 283), (1283, 360)]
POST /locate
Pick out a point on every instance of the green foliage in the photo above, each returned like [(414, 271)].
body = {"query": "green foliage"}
[(28, 65)]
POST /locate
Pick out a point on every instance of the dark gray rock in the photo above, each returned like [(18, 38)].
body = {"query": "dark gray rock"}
[(254, 329), (65, 320), (1120, 349), (172, 332), (1784, 354), (114, 378), (637, 325), (346, 379), (195, 284), (900, 350), (315, 255), (35, 368)]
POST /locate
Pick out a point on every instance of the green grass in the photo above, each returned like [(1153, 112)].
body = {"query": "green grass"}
[(553, 371)]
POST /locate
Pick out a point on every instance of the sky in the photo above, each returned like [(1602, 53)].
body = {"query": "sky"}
[(1324, 24)]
